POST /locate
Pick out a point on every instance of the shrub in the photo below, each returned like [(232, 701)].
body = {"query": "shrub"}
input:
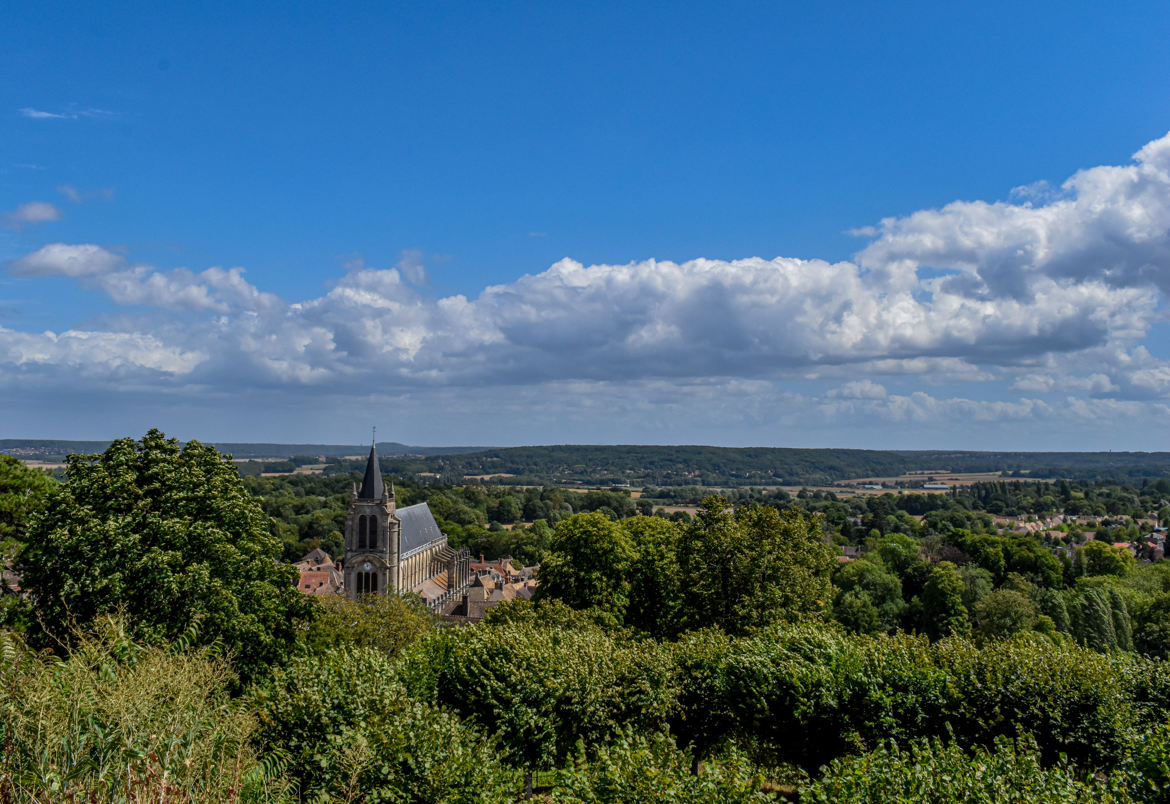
[(1067, 697), (651, 769), (351, 731), (807, 694), (936, 772), (386, 623), (542, 689)]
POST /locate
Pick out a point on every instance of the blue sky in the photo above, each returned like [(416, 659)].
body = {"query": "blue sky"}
[(913, 225)]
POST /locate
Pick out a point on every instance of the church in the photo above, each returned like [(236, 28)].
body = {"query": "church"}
[(391, 550)]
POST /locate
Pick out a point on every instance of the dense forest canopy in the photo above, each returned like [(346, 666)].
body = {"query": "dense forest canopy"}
[(732, 466)]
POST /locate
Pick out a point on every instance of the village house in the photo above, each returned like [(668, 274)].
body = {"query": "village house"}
[(320, 574)]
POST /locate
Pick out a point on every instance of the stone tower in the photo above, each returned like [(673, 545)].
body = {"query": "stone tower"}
[(373, 536)]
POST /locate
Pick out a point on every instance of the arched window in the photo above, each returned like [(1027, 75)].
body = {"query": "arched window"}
[(367, 583), (362, 541), (373, 535)]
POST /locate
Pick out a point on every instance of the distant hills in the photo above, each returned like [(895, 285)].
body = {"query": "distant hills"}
[(50, 450), (759, 466), (662, 465)]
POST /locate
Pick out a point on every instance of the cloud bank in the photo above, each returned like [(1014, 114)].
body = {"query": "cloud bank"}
[(1041, 307)]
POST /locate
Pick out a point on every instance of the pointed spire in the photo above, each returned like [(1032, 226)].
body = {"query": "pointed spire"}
[(372, 486)]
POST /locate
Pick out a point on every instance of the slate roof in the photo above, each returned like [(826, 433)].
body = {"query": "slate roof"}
[(372, 485), (316, 558), (432, 589), (418, 527)]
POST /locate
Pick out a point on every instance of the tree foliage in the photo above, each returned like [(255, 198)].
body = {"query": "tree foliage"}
[(588, 564), (943, 612), (650, 769), (1004, 612), (1099, 558), (21, 492), (352, 733), (167, 536), (386, 623), (870, 597), (747, 567), (541, 690), (931, 770)]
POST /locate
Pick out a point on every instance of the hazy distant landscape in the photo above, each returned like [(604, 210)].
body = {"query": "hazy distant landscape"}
[(634, 465), (50, 450)]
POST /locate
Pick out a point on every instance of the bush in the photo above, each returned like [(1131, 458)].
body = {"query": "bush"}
[(808, 694), (936, 772), (1067, 697), (351, 731), (651, 769), (541, 689), (386, 623)]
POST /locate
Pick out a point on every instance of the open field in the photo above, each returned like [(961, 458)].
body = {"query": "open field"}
[(936, 476), (919, 477)]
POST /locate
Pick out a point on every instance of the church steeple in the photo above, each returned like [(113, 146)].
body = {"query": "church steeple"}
[(372, 485)]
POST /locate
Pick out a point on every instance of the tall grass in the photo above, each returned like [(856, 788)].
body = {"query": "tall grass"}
[(119, 722)]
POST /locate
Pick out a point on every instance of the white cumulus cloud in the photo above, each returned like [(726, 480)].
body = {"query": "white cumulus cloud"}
[(1109, 224)]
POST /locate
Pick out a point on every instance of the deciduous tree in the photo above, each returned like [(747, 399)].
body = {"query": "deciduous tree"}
[(587, 564), (1099, 558), (943, 612), (1003, 613), (21, 491), (744, 568), (169, 536)]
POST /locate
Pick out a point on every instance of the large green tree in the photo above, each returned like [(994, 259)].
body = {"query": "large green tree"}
[(870, 597), (942, 609), (654, 578), (751, 566), (21, 491), (1003, 613), (169, 536), (1099, 558), (587, 565)]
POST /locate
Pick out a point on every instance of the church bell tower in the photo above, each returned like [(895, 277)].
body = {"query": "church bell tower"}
[(372, 536)]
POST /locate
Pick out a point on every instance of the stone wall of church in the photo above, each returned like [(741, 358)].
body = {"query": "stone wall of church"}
[(419, 567)]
